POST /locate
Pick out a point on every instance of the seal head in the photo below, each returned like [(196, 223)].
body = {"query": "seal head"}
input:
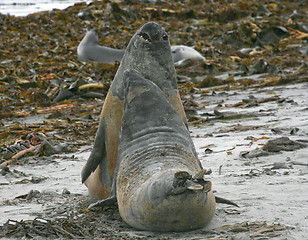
[(149, 53)]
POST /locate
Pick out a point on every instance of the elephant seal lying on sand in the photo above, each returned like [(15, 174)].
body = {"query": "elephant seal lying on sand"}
[(160, 181)]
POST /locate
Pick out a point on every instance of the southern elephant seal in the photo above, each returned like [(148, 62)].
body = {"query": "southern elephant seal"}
[(149, 53), (160, 181), (181, 53), (89, 49)]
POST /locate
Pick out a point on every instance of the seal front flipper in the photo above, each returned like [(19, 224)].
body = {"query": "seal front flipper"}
[(97, 154), (108, 202), (103, 157), (225, 201)]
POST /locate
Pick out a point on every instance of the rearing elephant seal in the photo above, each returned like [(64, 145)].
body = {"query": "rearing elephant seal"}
[(156, 162), (149, 53)]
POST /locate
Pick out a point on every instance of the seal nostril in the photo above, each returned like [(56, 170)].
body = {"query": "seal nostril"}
[(145, 36), (165, 37)]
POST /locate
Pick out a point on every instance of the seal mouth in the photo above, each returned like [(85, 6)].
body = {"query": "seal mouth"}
[(145, 36)]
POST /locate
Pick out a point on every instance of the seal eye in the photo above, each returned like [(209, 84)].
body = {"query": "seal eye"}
[(145, 36), (165, 37)]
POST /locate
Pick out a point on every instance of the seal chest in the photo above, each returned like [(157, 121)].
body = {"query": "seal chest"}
[(160, 182)]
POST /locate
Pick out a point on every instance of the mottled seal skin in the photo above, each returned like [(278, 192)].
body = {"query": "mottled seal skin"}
[(156, 162), (149, 53)]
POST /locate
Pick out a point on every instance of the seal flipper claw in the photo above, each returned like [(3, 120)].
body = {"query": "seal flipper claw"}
[(183, 181), (207, 186), (194, 186), (179, 182), (199, 179), (225, 201), (200, 174), (108, 202)]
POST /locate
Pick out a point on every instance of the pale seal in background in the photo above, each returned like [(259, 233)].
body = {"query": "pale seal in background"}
[(89, 49)]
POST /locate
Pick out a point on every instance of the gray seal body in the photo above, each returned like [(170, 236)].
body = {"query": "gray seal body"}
[(160, 182), (149, 53), (90, 50)]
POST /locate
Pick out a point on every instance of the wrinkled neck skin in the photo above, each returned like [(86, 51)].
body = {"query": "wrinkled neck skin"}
[(149, 146), (158, 159), (156, 142), (145, 57)]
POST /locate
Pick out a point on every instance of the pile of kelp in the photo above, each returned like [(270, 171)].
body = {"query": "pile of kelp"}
[(38, 52), (42, 78)]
